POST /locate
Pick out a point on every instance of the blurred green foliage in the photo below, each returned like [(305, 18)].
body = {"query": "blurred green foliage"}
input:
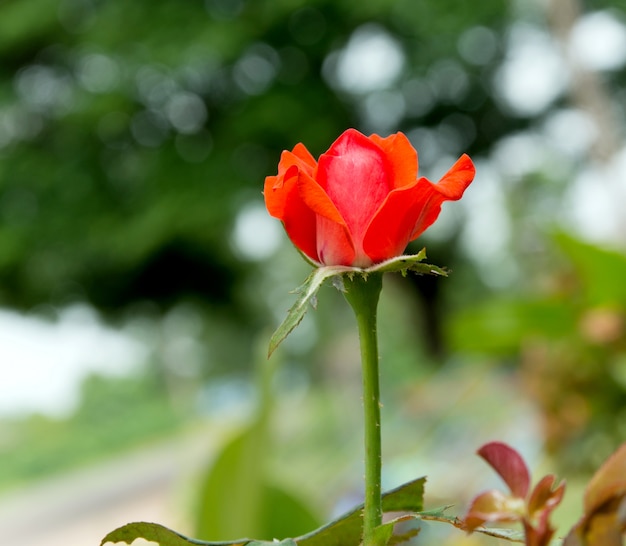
[(238, 496), (567, 342), (132, 134)]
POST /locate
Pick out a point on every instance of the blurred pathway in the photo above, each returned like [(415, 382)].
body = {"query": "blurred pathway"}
[(80, 508)]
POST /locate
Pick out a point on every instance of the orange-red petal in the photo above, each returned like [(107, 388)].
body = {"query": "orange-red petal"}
[(449, 188), (334, 244), (402, 157), (356, 175), (283, 201), (409, 210), (391, 228)]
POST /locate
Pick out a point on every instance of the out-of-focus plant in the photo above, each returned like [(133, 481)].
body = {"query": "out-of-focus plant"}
[(569, 337), (237, 494), (531, 508), (602, 524), (604, 519)]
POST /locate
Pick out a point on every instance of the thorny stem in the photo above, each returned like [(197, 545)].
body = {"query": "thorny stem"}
[(363, 294)]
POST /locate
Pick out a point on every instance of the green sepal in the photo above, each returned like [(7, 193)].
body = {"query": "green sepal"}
[(307, 292), (404, 264)]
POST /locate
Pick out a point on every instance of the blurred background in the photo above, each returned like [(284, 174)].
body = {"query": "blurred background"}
[(141, 277)]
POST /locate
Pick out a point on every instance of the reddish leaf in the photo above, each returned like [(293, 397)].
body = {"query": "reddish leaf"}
[(543, 497), (509, 464)]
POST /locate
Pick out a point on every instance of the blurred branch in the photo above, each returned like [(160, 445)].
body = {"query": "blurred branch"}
[(587, 89)]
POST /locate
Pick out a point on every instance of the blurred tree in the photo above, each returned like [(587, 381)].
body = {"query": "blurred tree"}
[(130, 135)]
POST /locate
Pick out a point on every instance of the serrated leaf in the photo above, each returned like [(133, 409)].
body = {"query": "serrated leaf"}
[(163, 536), (347, 529), (307, 292)]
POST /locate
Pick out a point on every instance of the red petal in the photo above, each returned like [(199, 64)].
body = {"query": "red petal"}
[(402, 157), (509, 464), (455, 181), (391, 228), (409, 210), (333, 243), (302, 153), (283, 200), (356, 176), (449, 188)]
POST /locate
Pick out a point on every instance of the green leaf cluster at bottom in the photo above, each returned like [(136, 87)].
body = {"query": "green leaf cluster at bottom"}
[(344, 531)]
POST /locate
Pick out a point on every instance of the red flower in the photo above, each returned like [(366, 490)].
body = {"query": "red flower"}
[(362, 202)]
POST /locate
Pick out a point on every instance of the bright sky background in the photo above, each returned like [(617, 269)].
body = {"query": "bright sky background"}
[(42, 363)]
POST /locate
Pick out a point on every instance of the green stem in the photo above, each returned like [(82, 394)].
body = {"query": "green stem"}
[(362, 294)]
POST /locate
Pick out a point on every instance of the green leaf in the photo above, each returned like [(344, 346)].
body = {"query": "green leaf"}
[(404, 537), (154, 532), (347, 530), (500, 326), (163, 536), (231, 492), (307, 292), (601, 270), (382, 534), (408, 497), (237, 496)]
